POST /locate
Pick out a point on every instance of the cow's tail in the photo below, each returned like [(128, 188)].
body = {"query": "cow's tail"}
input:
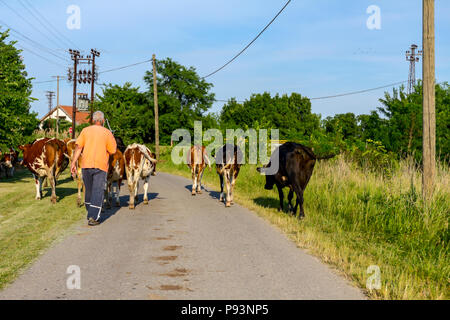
[(206, 159), (149, 157), (326, 157)]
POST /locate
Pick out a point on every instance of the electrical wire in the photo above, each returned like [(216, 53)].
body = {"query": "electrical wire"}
[(43, 18), (42, 57), (128, 66), (358, 92), (36, 44), (28, 22), (251, 42)]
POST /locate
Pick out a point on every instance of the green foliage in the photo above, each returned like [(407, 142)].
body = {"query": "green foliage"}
[(128, 112), (403, 129), (16, 121), (290, 114), (183, 97), (374, 157)]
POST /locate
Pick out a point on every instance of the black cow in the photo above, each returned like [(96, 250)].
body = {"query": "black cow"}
[(296, 165), (120, 145)]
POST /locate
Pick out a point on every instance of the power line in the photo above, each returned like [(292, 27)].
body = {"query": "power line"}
[(358, 92), (42, 57), (128, 66), (62, 36), (251, 42), (338, 95), (29, 23), (42, 24), (37, 44)]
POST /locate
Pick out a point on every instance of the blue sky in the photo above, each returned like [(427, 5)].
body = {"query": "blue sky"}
[(315, 47)]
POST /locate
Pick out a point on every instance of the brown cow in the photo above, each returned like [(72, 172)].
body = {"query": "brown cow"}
[(45, 158), (139, 164), (116, 172), (228, 163), (7, 162), (78, 177), (197, 159)]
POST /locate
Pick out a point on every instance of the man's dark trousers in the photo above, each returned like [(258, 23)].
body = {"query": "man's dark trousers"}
[(95, 185)]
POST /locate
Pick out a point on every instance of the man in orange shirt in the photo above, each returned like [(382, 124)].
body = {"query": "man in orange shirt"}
[(97, 143)]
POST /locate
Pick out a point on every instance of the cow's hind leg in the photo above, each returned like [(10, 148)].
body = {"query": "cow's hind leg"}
[(194, 180), (146, 180), (199, 181), (38, 182), (132, 188), (52, 180), (299, 194), (221, 187), (290, 196), (117, 193), (228, 181)]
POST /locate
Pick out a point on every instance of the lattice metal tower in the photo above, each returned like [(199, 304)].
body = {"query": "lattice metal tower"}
[(50, 95), (412, 56)]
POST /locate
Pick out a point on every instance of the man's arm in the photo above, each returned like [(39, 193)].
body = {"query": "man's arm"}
[(111, 145), (76, 155)]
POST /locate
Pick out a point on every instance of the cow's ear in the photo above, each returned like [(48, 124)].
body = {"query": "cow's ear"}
[(260, 170), (21, 147)]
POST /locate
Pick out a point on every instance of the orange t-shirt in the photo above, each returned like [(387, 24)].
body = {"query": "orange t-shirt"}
[(97, 143)]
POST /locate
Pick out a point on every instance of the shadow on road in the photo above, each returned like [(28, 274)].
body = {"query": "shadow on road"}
[(123, 200)]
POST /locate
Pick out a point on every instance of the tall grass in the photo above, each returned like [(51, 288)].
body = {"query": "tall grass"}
[(356, 218)]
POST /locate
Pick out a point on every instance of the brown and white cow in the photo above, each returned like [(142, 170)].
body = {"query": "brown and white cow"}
[(78, 176), (228, 163), (139, 164), (197, 160), (45, 158), (116, 172)]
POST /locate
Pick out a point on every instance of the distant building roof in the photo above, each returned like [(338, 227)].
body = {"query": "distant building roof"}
[(80, 118)]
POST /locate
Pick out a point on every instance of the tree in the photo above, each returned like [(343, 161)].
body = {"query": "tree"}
[(183, 97), (128, 112), (17, 123), (290, 114), (404, 120), (344, 124)]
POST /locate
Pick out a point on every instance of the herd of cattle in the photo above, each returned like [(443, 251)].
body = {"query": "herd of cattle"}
[(47, 158)]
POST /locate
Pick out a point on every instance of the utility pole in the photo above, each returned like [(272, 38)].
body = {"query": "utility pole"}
[(75, 55), (82, 77), (94, 53), (412, 56), (50, 95), (57, 104), (155, 100), (429, 116)]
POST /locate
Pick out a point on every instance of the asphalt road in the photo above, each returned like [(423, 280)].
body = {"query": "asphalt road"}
[(179, 247)]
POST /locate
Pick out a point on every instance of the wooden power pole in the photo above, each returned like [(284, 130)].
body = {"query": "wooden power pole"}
[(94, 54), (155, 100), (429, 115), (75, 54), (57, 106)]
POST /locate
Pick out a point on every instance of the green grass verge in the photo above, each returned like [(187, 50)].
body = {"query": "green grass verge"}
[(28, 226), (355, 219)]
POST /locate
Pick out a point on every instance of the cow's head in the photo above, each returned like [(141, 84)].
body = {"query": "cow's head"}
[(25, 148), (270, 178), (8, 160)]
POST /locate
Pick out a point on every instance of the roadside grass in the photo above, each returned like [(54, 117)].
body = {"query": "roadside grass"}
[(356, 218), (28, 226)]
